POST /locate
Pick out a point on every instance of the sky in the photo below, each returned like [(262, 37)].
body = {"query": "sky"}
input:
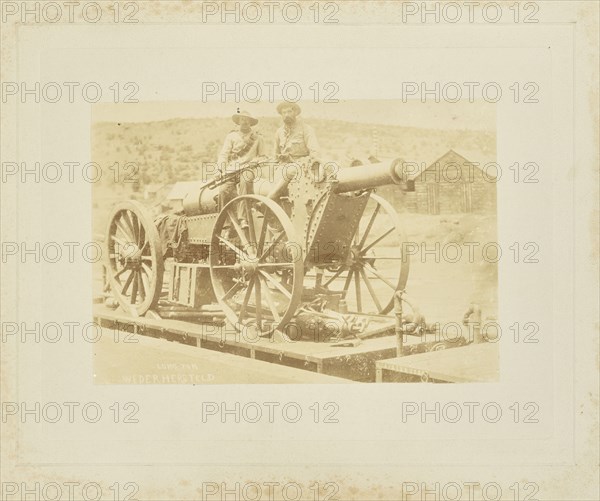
[(478, 115)]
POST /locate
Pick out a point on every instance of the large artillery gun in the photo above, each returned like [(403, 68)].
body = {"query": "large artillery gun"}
[(311, 238)]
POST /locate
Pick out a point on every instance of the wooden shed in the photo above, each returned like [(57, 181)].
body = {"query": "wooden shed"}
[(453, 183)]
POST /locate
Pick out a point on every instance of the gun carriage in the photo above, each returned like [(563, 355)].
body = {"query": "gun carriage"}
[(308, 240)]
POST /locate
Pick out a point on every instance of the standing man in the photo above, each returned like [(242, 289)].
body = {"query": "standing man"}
[(294, 139), (241, 146)]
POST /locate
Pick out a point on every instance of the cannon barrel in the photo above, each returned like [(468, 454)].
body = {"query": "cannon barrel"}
[(198, 198), (207, 200), (364, 177), (202, 199)]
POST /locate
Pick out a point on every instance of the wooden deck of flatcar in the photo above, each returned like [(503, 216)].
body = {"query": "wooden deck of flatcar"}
[(355, 361), (475, 363), (151, 361)]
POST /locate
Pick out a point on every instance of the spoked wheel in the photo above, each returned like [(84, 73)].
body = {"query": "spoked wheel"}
[(134, 261), (376, 267), (256, 264)]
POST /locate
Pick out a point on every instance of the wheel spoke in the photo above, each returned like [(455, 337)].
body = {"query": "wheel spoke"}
[(142, 242), (126, 231), (141, 287), (134, 291), (146, 282), (133, 222), (127, 283), (147, 269), (379, 239), (379, 276), (246, 298), (357, 289), (369, 226), (348, 279), (277, 284), (271, 302), (251, 226), (258, 304), (128, 224), (239, 252), (236, 287), (238, 229), (263, 234), (337, 274), (370, 288), (271, 246), (121, 242), (119, 273)]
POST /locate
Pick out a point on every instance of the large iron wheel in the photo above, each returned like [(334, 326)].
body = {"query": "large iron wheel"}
[(256, 264), (134, 261), (376, 266)]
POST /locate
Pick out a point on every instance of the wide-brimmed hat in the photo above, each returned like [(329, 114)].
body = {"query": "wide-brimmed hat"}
[(287, 104), (244, 113)]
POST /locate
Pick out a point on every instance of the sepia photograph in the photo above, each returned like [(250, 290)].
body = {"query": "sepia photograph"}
[(362, 249), (309, 250)]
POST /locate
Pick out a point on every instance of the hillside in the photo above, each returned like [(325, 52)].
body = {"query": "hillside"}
[(173, 150)]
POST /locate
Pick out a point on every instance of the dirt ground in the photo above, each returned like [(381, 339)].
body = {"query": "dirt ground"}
[(444, 288)]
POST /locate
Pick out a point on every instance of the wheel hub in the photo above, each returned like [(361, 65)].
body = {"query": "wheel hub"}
[(354, 256), (248, 266), (131, 255)]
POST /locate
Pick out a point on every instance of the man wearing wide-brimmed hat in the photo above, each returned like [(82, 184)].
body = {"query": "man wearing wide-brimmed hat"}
[(294, 139), (241, 146)]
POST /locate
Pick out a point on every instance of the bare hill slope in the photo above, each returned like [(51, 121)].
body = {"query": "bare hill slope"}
[(173, 150)]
